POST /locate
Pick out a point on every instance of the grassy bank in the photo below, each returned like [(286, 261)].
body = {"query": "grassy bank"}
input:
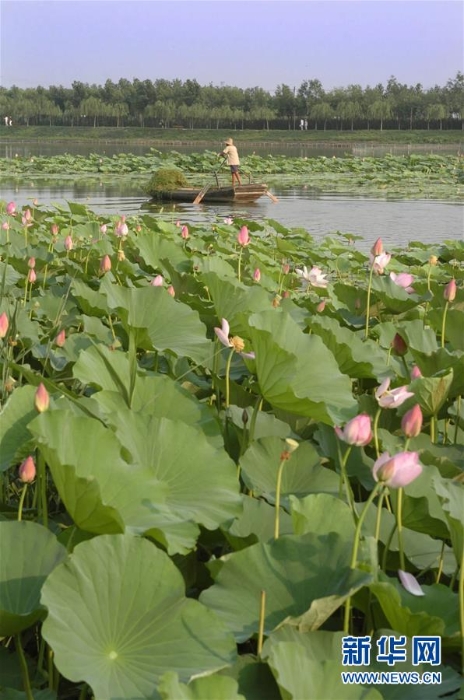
[(210, 136)]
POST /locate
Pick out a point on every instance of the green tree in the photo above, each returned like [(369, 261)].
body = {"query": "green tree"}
[(321, 112)]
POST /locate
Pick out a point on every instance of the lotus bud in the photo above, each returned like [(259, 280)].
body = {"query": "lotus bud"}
[(285, 268), (449, 292), (243, 237), (185, 232), (138, 228), (257, 275), (398, 471), (4, 323), (399, 345), (6, 226), (286, 294), (433, 260), (157, 281), (68, 243), (105, 264), (103, 229), (170, 290), (60, 338), (31, 277), (321, 306), (11, 208), (416, 373), (27, 215), (377, 248), (27, 470), (357, 431), (35, 202), (290, 446), (31, 263), (41, 399), (244, 416), (411, 423), (54, 229)]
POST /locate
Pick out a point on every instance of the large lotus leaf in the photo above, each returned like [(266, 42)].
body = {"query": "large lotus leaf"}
[(29, 552), (107, 369), (322, 513), (355, 357), (170, 324), (431, 392), (255, 680), (434, 613), (256, 523), (451, 495), (91, 302), (265, 423), (394, 297), (213, 687), (454, 325), (15, 417), (308, 574), (296, 372), (432, 364), (299, 677), (154, 249), (422, 509), (176, 480), (302, 474), (118, 619), (11, 694)]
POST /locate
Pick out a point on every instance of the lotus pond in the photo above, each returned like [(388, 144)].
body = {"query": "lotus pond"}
[(228, 452)]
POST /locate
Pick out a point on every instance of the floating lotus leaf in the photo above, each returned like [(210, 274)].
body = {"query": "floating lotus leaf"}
[(15, 417)]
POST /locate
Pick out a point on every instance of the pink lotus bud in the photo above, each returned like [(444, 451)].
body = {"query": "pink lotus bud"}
[(31, 277), (392, 398), (257, 275), (411, 423), (103, 229), (11, 208), (449, 292), (121, 229), (321, 306), (377, 248), (42, 398), (285, 268), (357, 431), (4, 323), (31, 263), (105, 264), (171, 290), (398, 471), (6, 226), (68, 243), (416, 373), (285, 294), (185, 232), (228, 220), (399, 345), (27, 215), (157, 281), (35, 202), (54, 229), (27, 470), (138, 228), (410, 583), (243, 237), (60, 338), (178, 224)]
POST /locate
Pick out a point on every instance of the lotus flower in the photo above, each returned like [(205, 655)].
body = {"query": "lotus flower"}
[(411, 423), (416, 373), (171, 291), (377, 248), (410, 583), (285, 268), (357, 431), (41, 398), (121, 229), (449, 293), (60, 338), (11, 208), (228, 220), (404, 280), (31, 263), (398, 471), (393, 398), (380, 262), (157, 281), (314, 277), (31, 276), (321, 306), (105, 264), (68, 243), (103, 229), (243, 237), (184, 232), (54, 229), (257, 275), (235, 342), (27, 470), (4, 324), (6, 226)]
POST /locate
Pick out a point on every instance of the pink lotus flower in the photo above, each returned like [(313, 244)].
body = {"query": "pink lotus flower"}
[(157, 281), (31, 276), (285, 268), (380, 262), (393, 398), (31, 263), (377, 248), (4, 324), (228, 220), (449, 292), (121, 229), (314, 277), (105, 264), (223, 333), (243, 237), (68, 243), (257, 275), (404, 280), (103, 229), (60, 338), (184, 232), (27, 215), (416, 373), (6, 226), (54, 229), (171, 291), (411, 423), (178, 223), (321, 306), (410, 583), (42, 398), (27, 470), (357, 431), (398, 471), (11, 208)]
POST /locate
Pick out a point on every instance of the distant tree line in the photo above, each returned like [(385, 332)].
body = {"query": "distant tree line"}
[(174, 103)]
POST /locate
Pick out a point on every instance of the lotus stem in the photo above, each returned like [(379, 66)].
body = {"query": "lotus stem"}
[(368, 306), (21, 502), (458, 413), (42, 474), (229, 361), (262, 611), (440, 563), (461, 608), (376, 437), (399, 525), (257, 408), (25, 292), (346, 482), (387, 547), (444, 324), (24, 670), (239, 270), (277, 500), (379, 516)]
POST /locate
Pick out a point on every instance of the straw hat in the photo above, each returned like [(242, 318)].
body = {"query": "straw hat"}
[(229, 142)]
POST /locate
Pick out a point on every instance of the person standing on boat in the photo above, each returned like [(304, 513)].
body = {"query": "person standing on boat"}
[(233, 161)]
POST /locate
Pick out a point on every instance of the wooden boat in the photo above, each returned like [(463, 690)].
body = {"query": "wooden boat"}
[(239, 193)]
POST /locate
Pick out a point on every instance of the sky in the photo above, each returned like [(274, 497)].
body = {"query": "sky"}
[(243, 43)]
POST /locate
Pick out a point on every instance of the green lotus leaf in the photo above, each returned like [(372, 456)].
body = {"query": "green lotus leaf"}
[(256, 523), (439, 363), (118, 619), (301, 574), (451, 495), (11, 694), (296, 371), (431, 392), (33, 553), (214, 687), (322, 513), (234, 301), (255, 680), (393, 297), (90, 301), (15, 417), (154, 249)]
